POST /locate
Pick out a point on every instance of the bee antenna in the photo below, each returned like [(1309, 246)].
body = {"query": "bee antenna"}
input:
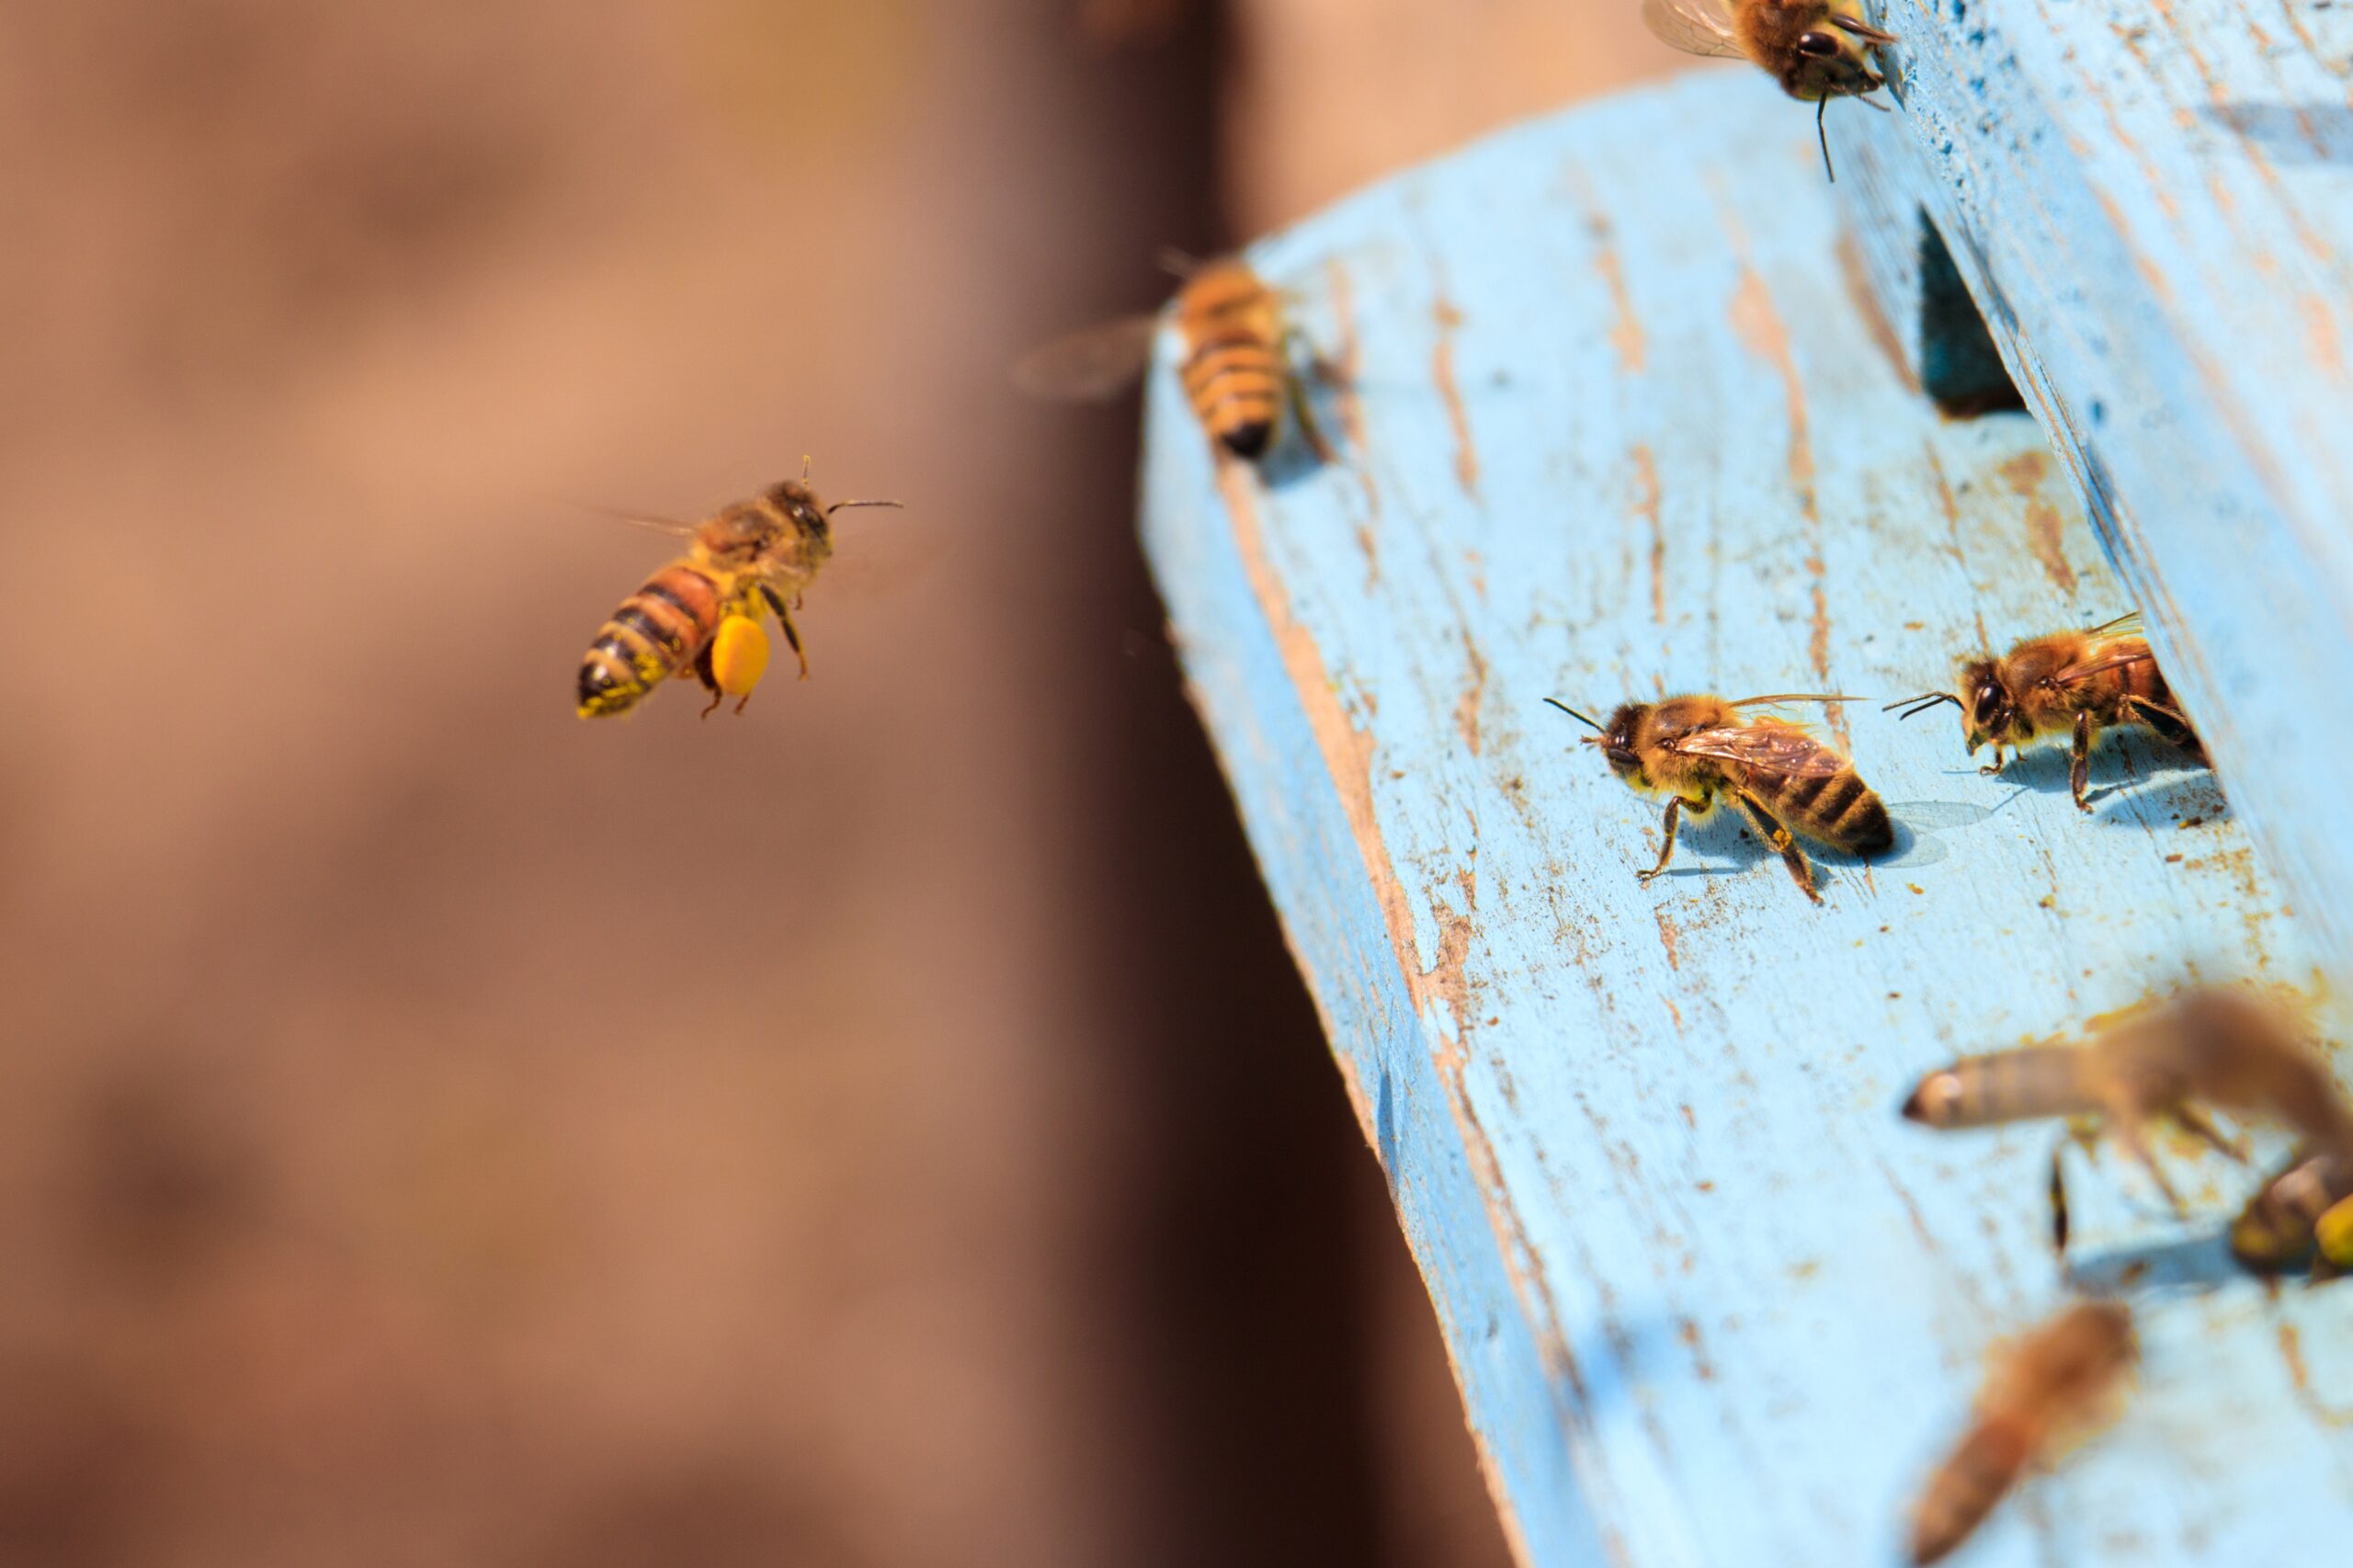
[(844, 505), (1821, 108), (1921, 704), (1572, 713)]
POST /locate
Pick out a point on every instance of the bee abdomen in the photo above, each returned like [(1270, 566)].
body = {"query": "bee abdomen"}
[(1234, 383), (1962, 1494), (1838, 809), (656, 632)]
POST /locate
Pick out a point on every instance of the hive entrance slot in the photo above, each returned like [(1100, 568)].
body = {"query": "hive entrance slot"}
[(1960, 367)]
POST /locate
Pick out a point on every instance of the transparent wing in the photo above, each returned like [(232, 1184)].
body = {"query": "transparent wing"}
[(1092, 364), (1782, 750), (2128, 621), (2100, 664), (1695, 26)]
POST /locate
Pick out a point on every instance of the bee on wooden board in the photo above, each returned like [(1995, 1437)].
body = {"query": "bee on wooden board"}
[(1818, 49), (2304, 1214), (2070, 683), (2213, 1045), (1695, 750), (700, 615), (2052, 1386), (1238, 368)]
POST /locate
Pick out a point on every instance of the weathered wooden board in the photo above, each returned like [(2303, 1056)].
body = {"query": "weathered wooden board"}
[(2153, 199), (1623, 422)]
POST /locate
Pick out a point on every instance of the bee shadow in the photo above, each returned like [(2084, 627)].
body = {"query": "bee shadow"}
[(2123, 770), (1723, 838), (2184, 1265)]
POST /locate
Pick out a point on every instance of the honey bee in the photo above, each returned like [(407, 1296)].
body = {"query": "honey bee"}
[(2304, 1211), (2078, 682), (1818, 49), (1238, 368), (1694, 749), (700, 615), (2054, 1384), (2214, 1045)]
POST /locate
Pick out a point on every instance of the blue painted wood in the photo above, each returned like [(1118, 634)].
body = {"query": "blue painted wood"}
[(1622, 423), (2153, 199)]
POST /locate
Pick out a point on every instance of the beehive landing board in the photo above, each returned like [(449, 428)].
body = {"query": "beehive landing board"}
[(1622, 423)]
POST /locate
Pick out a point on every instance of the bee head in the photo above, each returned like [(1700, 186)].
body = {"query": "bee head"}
[(1616, 739), (799, 506), (1988, 709), (2269, 1234)]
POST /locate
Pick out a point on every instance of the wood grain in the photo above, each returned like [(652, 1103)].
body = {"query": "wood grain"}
[(1622, 422)]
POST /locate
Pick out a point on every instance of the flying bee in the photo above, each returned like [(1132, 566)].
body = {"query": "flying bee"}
[(700, 615), (2306, 1208), (1818, 49), (1238, 369), (1696, 749), (2214, 1045), (2078, 682), (2053, 1385)]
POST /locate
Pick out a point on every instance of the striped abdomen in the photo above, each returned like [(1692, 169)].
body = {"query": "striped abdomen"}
[(1965, 1489), (2142, 679), (655, 633), (2008, 1085), (1233, 372), (1837, 809)]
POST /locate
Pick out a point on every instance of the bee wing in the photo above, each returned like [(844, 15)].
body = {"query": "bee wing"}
[(2128, 621), (1092, 365), (2099, 664), (1695, 26), (1785, 750)]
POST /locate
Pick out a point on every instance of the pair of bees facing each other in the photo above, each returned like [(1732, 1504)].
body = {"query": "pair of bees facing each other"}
[(1698, 751), (1239, 369), (700, 615), (1817, 49), (2211, 1047)]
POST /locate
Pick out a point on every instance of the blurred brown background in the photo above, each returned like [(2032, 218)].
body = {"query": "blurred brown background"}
[(881, 1129)]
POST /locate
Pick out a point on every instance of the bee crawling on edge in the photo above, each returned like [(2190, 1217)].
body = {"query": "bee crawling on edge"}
[(1818, 49), (1696, 749), (2302, 1214), (2215, 1045), (2053, 1385), (2070, 683), (700, 613), (1239, 369)]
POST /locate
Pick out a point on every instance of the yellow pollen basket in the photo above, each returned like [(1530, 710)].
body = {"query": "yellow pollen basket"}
[(2335, 1234), (739, 654)]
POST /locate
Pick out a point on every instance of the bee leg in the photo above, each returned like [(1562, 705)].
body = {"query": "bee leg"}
[(791, 633), (2079, 766), (2058, 1194), (1666, 850), (710, 679), (1295, 348), (2136, 1144), (2170, 723), (1771, 831), (2198, 1125), (1993, 769)]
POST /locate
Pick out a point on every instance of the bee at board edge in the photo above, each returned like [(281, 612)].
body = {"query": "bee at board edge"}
[(700, 615), (2213, 1045), (2051, 1387), (2301, 1216), (2074, 684), (1817, 49), (1240, 369), (1698, 750)]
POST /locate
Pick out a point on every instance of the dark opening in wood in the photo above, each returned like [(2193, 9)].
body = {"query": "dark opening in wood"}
[(1959, 365)]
